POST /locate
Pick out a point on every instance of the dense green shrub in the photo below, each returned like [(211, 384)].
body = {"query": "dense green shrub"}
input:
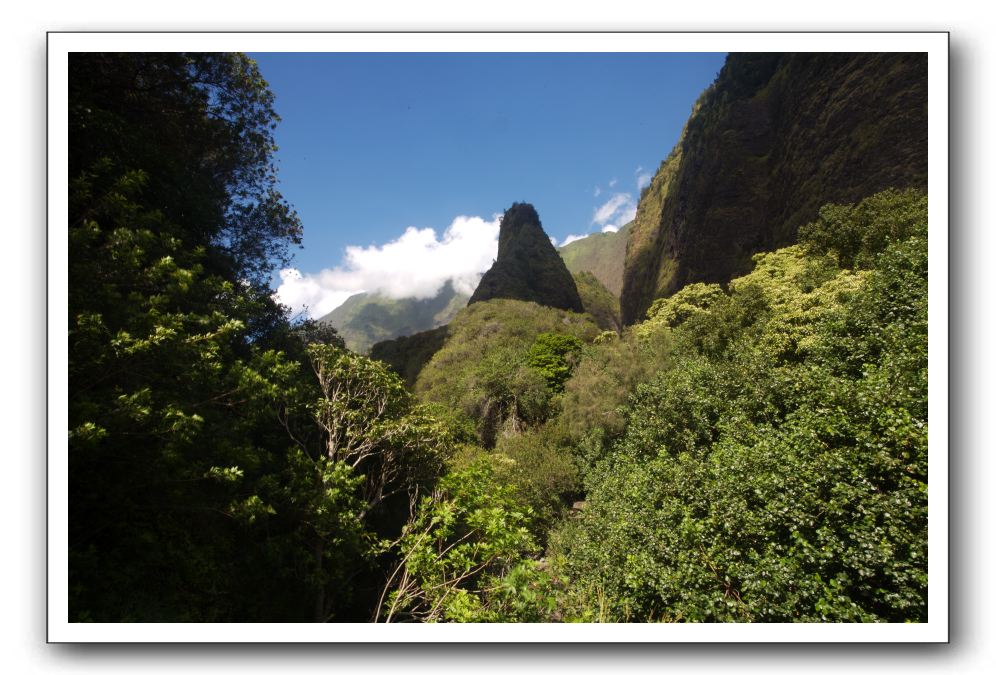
[(483, 371), (542, 471), (554, 356), (692, 300), (856, 233), (462, 540), (777, 471)]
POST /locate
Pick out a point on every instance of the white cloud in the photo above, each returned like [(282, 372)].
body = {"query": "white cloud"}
[(306, 293), (604, 212), (625, 217), (616, 212), (598, 191), (642, 179), (612, 183), (415, 265), (571, 238)]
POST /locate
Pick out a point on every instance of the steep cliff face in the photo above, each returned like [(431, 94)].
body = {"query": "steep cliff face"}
[(774, 137), (528, 267)]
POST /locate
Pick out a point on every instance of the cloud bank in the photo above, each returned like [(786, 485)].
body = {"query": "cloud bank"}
[(572, 238), (415, 265), (616, 212)]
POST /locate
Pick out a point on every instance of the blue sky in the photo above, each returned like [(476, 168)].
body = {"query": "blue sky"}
[(376, 150)]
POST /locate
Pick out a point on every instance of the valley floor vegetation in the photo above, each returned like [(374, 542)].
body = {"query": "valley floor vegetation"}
[(755, 451)]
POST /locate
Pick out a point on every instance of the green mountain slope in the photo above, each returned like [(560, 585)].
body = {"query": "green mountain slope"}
[(367, 318), (598, 301), (407, 355), (775, 137), (483, 371), (603, 254)]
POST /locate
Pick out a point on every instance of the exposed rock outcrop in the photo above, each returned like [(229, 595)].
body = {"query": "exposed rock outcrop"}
[(528, 267)]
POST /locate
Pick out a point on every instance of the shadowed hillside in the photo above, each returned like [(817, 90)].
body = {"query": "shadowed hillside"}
[(408, 354), (598, 301)]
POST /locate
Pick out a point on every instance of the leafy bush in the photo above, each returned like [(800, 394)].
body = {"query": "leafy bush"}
[(856, 233), (483, 372), (777, 471), (692, 300), (463, 539), (543, 472), (605, 376), (554, 356), (370, 422)]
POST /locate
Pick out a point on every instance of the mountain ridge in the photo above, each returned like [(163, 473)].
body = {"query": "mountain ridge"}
[(367, 318)]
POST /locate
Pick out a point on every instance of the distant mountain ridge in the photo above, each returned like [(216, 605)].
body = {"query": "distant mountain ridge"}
[(602, 253), (367, 318)]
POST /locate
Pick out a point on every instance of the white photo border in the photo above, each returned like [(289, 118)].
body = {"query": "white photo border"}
[(935, 44)]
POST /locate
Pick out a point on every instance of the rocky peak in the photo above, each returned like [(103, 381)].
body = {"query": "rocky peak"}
[(528, 267)]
